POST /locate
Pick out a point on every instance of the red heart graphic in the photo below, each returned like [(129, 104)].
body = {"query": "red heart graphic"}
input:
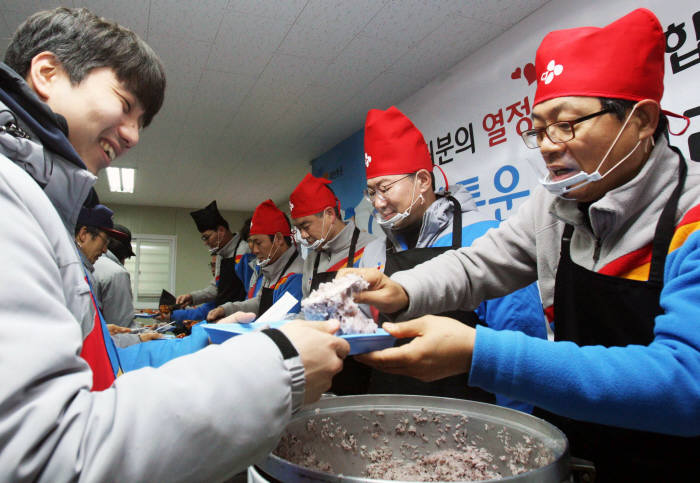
[(515, 74), (530, 73)]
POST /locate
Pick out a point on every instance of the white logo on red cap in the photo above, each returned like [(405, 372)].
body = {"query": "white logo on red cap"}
[(553, 69), (291, 206), (368, 159)]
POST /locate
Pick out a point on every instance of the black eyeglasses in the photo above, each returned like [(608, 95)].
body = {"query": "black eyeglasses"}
[(557, 132), (207, 237), (381, 191)]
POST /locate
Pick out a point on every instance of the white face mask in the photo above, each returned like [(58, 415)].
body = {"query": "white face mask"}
[(581, 179), (391, 222), (320, 241), (215, 250), (266, 261)]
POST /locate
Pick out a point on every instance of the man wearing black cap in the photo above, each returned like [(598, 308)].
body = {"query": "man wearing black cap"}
[(228, 248), (113, 281), (95, 234)]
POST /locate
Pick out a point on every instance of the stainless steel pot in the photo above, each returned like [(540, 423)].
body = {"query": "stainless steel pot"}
[(336, 438)]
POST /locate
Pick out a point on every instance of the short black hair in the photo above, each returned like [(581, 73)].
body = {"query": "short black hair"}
[(621, 107), (92, 230), (245, 229), (335, 209), (82, 41)]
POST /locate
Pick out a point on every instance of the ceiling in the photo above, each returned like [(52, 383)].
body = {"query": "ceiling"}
[(258, 88)]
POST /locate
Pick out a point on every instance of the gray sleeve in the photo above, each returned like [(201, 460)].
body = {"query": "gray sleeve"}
[(53, 428), (250, 305), (207, 294), (500, 262), (125, 340), (117, 300)]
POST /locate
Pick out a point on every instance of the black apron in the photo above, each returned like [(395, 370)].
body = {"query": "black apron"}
[(266, 296), (453, 386), (319, 278), (229, 288), (595, 309), (354, 377)]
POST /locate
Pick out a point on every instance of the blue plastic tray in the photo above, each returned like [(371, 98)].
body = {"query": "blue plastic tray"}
[(359, 343)]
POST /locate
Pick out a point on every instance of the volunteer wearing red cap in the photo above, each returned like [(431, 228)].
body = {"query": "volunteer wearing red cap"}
[(420, 224), (612, 241), (279, 261), (319, 227)]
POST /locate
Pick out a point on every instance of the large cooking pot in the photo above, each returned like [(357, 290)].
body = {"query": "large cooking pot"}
[(337, 438)]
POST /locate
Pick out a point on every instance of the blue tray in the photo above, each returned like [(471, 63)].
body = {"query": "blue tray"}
[(359, 343)]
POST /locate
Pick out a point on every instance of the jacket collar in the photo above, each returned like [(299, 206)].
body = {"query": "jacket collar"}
[(273, 271), (625, 202), (437, 217), (340, 242), (64, 179)]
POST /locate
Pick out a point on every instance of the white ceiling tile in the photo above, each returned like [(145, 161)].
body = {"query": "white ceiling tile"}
[(360, 63), (184, 59), (135, 17), (325, 27), (501, 12), (245, 43), (287, 76), (408, 21), (451, 42), (349, 15), (183, 18), (286, 10)]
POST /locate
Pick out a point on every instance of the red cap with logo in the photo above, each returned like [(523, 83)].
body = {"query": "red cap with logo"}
[(393, 145), (311, 196), (624, 60), (268, 220)]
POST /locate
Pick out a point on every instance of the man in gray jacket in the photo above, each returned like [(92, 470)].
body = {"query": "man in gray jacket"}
[(114, 281), (75, 90), (612, 237)]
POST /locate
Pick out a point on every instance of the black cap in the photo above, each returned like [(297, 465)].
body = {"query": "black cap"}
[(99, 216), (122, 248), (208, 218), (166, 298)]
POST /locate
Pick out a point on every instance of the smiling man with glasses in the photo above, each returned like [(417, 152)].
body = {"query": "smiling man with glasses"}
[(611, 239), (421, 223)]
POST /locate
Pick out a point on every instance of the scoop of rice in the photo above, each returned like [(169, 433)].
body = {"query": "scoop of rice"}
[(333, 300)]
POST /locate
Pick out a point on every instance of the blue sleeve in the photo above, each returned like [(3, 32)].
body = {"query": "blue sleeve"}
[(521, 311), (196, 313), (155, 353), (650, 388), (293, 286), (244, 271)]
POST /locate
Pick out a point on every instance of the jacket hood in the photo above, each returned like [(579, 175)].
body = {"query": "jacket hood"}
[(48, 167)]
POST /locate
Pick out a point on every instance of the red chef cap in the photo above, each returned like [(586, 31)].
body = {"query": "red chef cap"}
[(393, 145), (624, 60), (268, 220), (311, 196)]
